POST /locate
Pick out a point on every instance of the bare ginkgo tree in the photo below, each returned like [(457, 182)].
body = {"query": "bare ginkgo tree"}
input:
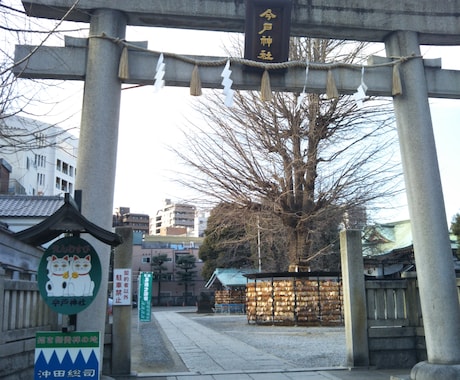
[(311, 167)]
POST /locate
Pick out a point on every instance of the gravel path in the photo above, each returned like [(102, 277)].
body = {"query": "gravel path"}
[(306, 347), (151, 349)]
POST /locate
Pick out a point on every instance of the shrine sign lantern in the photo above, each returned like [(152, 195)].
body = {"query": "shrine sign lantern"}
[(69, 275), (267, 30)]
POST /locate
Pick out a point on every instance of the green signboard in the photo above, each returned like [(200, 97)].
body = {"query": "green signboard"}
[(69, 275), (145, 296), (71, 355)]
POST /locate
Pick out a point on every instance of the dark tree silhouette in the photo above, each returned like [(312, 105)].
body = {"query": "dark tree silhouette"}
[(186, 274), (158, 268)]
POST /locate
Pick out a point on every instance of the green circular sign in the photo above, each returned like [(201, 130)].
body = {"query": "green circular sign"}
[(69, 275)]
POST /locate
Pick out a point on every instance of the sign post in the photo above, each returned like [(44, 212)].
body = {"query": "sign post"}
[(145, 296), (69, 276)]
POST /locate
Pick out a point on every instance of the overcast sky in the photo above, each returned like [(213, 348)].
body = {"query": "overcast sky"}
[(150, 122)]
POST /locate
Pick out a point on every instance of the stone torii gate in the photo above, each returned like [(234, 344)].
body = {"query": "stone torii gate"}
[(402, 26)]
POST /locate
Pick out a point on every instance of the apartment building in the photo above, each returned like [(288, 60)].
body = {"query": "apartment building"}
[(41, 161), (138, 222), (174, 218), (169, 288)]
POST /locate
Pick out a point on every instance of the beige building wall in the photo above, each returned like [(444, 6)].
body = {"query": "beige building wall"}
[(172, 291)]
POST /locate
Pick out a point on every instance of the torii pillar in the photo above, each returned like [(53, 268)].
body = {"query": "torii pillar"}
[(435, 272), (97, 154)]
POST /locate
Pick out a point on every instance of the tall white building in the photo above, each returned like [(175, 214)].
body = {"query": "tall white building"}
[(201, 223), (44, 159), (174, 219)]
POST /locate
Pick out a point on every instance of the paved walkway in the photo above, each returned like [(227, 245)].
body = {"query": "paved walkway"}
[(210, 355)]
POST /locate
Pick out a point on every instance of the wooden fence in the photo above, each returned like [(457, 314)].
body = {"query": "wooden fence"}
[(395, 331), (23, 313), (395, 323)]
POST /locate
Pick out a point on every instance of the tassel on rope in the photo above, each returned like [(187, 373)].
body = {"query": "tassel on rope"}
[(265, 88), (397, 86), (195, 82), (123, 69), (331, 88)]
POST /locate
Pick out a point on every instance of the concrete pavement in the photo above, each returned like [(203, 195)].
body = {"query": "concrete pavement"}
[(210, 355)]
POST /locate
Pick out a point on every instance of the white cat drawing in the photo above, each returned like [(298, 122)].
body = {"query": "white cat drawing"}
[(58, 274), (80, 283)]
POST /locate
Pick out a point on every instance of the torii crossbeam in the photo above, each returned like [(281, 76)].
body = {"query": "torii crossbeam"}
[(402, 26)]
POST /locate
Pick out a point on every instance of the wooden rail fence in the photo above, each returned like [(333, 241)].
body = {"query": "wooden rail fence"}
[(23, 313), (395, 323)]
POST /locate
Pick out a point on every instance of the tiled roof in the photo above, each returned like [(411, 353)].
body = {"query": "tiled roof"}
[(229, 277), (384, 238), (15, 206)]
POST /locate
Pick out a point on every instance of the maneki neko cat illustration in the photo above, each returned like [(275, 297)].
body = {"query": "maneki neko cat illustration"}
[(80, 283), (69, 276), (58, 274)]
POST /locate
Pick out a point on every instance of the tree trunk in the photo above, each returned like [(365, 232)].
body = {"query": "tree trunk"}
[(297, 247)]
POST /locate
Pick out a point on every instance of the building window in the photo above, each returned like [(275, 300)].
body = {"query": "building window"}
[(65, 168), (58, 165), (40, 179), (164, 277), (40, 161), (145, 260), (41, 139)]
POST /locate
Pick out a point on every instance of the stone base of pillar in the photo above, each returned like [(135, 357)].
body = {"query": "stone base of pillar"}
[(428, 371)]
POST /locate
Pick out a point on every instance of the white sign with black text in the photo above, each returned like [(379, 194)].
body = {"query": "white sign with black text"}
[(122, 286)]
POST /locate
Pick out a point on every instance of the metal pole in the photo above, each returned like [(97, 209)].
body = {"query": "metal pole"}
[(258, 244)]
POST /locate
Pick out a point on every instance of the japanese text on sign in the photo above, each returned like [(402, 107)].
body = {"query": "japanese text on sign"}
[(63, 356), (122, 286), (145, 296), (267, 30)]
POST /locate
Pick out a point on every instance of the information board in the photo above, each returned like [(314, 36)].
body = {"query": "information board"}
[(122, 286), (69, 355), (145, 296)]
